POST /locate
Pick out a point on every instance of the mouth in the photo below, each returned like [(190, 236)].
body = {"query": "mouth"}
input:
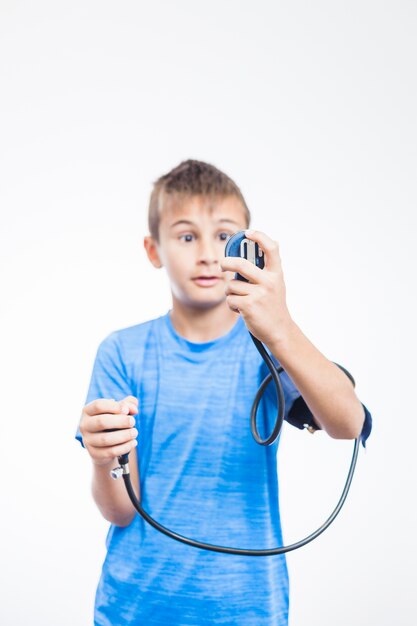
[(206, 281)]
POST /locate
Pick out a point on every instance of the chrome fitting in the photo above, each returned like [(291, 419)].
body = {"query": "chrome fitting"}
[(116, 472)]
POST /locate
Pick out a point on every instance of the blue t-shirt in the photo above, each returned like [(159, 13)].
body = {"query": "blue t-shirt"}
[(202, 475)]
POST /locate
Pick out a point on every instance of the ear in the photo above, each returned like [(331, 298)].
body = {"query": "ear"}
[(151, 248)]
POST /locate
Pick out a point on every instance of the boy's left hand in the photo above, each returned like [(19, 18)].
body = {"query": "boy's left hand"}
[(261, 301)]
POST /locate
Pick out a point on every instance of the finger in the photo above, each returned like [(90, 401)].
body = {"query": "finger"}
[(125, 448), (242, 266), (269, 246), (105, 454), (103, 405), (131, 400), (129, 405), (106, 421), (239, 288), (115, 438), (233, 302)]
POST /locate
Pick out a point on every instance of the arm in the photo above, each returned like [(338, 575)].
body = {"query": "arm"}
[(104, 448), (326, 390)]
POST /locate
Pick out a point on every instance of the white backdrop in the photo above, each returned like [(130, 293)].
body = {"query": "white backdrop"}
[(310, 107)]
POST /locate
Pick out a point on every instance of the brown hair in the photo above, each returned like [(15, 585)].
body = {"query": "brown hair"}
[(190, 178)]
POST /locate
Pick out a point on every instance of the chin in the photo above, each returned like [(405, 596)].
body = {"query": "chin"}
[(203, 304)]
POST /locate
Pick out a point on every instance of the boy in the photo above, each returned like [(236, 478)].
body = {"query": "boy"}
[(191, 376)]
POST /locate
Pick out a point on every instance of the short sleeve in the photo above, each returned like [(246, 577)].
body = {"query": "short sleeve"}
[(109, 378)]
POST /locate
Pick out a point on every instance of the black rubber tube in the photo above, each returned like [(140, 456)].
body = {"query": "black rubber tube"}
[(274, 375), (242, 551)]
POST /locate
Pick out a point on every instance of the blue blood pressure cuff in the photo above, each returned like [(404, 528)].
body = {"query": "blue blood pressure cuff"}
[(301, 417)]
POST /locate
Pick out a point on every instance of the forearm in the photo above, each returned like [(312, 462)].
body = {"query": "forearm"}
[(327, 391), (111, 496)]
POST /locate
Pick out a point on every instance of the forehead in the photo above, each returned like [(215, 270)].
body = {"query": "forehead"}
[(202, 209)]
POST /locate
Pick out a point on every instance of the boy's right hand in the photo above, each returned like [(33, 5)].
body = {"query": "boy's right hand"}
[(101, 416)]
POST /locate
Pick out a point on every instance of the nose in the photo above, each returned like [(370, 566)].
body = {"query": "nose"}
[(208, 251)]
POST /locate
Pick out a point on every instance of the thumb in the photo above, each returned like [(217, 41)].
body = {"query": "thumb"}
[(129, 405)]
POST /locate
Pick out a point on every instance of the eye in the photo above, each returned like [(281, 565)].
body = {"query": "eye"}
[(187, 237), (224, 236)]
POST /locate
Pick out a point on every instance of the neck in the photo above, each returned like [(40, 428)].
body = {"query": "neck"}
[(202, 325)]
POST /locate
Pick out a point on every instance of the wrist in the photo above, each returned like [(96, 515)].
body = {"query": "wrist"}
[(104, 465), (284, 338)]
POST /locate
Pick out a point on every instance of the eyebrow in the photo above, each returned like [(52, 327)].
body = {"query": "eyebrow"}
[(224, 220)]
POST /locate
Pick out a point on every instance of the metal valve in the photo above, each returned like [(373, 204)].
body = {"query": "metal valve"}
[(116, 472)]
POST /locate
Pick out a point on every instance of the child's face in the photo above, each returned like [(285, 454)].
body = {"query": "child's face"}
[(192, 238)]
